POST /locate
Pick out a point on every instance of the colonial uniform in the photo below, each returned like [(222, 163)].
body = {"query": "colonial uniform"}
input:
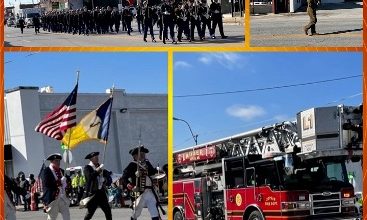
[(136, 178), (96, 189), (54, 197)]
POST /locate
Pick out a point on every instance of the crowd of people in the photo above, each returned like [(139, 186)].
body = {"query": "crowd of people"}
[(170, 16), (90, 187)]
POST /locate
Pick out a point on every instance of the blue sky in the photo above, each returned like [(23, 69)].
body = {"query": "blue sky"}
[(134, 72), (214, 117)]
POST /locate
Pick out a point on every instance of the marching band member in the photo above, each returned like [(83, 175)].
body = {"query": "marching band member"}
[(136, 178)]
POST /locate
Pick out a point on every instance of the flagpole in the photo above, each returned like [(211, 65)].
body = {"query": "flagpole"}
[(67, 149), (105, 144)]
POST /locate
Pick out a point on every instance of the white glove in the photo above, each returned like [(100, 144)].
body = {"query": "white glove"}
[(99, 168)]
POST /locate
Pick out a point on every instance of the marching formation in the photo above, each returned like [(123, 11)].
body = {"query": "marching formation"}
[(139, 178), (185, 17)]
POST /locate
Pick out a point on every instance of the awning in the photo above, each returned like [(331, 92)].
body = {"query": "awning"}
[(7, 152)]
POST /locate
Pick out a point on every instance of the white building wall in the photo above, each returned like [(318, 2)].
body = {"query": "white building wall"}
[(23, 112)]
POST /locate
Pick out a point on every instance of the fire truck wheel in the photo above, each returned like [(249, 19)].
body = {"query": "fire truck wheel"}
[(177, 216), (255, 215)]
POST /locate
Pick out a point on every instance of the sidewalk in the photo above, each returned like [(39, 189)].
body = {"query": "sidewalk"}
[(327, 9), (228, 19)]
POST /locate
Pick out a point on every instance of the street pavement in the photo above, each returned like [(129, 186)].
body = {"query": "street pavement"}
[(13, 37), (337, 25), (78, 214)]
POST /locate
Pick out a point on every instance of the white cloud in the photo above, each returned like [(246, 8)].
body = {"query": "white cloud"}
[(182, 64), (228, 60), (245, 112), (281, 118)]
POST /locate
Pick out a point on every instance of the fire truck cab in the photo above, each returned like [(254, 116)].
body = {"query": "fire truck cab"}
[(273, 172)]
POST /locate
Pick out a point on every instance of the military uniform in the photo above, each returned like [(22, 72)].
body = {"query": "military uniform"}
[(195, 21), (148, 19), (128, 17), (96, 188), (139, 18), (136, 177), (205, 18), (168, 21), (216, 12), (54, 197), (311, 11)]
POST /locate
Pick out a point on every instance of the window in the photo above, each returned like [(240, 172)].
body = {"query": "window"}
[(235, 174)]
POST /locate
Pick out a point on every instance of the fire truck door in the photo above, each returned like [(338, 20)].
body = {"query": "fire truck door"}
[(234, 193), (189, 200), (250, 185)]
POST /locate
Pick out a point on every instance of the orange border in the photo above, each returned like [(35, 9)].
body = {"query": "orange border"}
[(184, 49), (170, 50)]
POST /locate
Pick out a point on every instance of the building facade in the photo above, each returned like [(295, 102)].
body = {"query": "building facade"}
[(134, 117)]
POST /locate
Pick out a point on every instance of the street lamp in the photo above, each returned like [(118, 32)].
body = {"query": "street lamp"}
[(194, 136)]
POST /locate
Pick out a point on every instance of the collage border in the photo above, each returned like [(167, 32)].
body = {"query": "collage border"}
[(170, 76)]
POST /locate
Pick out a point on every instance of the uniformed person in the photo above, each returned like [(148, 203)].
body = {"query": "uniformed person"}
[(168, 21), (148, 19), (140, 17), (311, 11), (205, 18), (216, 12), (116, 17), (36, 23), (136, 177), (194, 20), (21, 24), (128, 17), (96, 180), (54, 195)]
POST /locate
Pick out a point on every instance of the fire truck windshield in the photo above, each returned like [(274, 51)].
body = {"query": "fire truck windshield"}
[(314, 174)]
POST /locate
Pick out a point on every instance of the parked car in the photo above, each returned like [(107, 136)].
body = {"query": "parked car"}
[(10, 22)]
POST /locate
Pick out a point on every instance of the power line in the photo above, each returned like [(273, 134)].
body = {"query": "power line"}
[(27, 55), (268, 88)]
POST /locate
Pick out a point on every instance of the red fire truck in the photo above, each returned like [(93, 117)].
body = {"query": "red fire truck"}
[(290, 170)]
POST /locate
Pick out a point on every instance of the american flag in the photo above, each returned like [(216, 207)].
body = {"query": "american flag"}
[(62, 118), (38, 186)]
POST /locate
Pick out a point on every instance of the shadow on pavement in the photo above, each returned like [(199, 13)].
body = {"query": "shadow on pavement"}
[(231, 39), (341, 32)]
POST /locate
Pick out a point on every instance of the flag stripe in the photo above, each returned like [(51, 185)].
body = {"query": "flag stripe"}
[(62, 118)]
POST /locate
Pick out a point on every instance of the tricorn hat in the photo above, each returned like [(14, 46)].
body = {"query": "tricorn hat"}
[(91, 155), (54, 157), (135, 150)]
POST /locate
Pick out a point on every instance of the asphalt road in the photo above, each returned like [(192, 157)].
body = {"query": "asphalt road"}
[(337, 25), (13, 37), (78, 214)]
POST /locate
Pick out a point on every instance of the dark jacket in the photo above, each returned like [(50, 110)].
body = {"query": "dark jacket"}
[(49, 186), (129, 176), (91, 179)]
